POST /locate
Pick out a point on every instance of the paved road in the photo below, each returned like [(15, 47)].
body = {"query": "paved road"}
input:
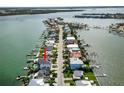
[(60, 58)]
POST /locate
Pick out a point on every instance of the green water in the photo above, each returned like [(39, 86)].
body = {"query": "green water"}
[(18, 35)]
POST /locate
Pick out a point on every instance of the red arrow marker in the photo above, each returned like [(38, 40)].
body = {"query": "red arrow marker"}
[(44, 54)]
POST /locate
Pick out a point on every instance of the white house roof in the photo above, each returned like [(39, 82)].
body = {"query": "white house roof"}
[(36, 82), (76, 61), (83, 83), (50, 41), (72, 45), (74, 49), (70, 38)]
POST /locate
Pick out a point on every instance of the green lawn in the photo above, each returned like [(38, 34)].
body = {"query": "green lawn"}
[(91, 76), (68, 75)]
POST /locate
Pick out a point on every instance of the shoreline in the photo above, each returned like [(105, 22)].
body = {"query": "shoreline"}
[(101, 15), (41, 12)]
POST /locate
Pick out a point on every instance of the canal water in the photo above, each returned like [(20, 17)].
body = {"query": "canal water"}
[(19, 34)]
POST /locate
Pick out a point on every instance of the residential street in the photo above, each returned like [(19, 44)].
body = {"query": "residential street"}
[(60, 58)]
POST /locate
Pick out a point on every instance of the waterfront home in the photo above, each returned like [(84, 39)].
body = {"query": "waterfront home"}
[(42, 64), (49, 50), (76, 63), (83, 83), (70, 40), (45, 64), (59, 20), (77, 74), (50, 42), (53, 35), (70, 46), (75, 49), (75, 52), (44, 73), (37, 82), (42, 69), (67, 29)]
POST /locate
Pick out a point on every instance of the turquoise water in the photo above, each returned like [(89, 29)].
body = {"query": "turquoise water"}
[(19, 35)]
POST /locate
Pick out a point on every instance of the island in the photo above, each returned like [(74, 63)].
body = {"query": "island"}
[(101, 15)]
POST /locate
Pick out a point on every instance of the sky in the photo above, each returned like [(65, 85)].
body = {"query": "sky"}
[(59, 3)]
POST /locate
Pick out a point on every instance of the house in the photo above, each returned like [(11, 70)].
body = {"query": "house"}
[(83, 83), (75, 52), (70, 46), (52, 34), (59, 20), (43, 69), (41, 74), (45, 74), (49, 50), (70, 40), (77, 74), (50, 42), (45, 65), (42, 64), (76, 63), (67, 29), (37, 82), (75, 49)]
